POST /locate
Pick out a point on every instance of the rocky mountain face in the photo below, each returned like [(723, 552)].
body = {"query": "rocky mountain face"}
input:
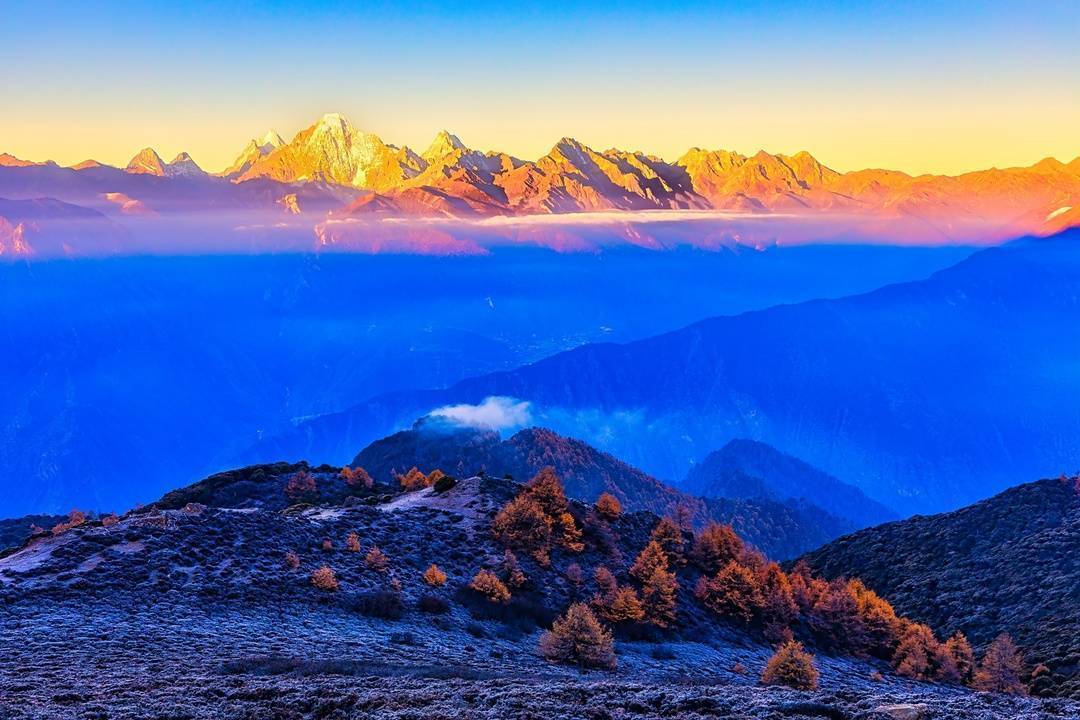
[(335, 152), (254, 151), (148, 162), (1007, 563), (347, 182), (748, 469), (451, 180), (780, 527), (925, 395), (326, 608)]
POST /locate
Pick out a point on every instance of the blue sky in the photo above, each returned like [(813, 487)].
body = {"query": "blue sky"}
[(917, 86)]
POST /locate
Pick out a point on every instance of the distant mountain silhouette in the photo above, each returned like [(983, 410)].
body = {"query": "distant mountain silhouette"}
[(778, 526), (753, 470), (1009, 563), (925, 395)]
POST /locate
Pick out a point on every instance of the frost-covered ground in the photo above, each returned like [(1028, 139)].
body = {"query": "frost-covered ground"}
[(72, 660), (194, 614)]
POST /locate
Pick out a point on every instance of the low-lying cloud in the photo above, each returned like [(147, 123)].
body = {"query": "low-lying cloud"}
[(495, 412)]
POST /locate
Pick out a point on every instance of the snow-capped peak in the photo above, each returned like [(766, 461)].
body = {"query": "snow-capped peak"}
[(333, 122), (183, 166), (146, 162), (443, 144), (269, 141)]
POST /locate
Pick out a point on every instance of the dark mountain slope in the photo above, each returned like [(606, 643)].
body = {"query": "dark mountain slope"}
[(925, 395), (1011, 563), (750, 469), (781, 529), (209, 612)]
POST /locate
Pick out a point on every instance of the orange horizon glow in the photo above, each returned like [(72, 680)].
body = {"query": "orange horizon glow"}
[(922, 88)]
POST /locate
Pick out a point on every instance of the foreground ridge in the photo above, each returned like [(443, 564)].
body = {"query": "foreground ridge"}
[(288, 582)]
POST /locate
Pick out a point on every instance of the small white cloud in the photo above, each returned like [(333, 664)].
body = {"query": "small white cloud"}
[(497, 413)]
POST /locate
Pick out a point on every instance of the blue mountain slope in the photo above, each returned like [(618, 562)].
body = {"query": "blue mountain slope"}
[(748, 469), (926, 395)]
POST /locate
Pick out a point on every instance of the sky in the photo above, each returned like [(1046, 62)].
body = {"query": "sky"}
[(917, 86)]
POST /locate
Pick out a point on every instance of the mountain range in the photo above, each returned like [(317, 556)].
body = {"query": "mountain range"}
[(347, 181), (925, 395)]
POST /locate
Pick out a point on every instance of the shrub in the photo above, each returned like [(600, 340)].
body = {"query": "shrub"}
[(324, 579), (523, 524), (327, 545), (959, 651), (658, 597), (434, 477), (954, 660), (668, 535), (385, 604), (778, 606), (413, 480), (569, 533), (578, 638), (806, 589), (490, 586), (109, 520), (714, 547), (605, 582), (792, 666), (356, 477), (574, 576), (881, 625), (1001, 668), (836, 620), (432, 604), (515, 576), (608, 506), (648, 561), (434, 576), (662, 652), (292, 560), (75, 519), (376, 560), (301, 487), (624, 606), (916, 652), (403, 638), (444, 483), (547, 490), (733, 593), (352, 543)]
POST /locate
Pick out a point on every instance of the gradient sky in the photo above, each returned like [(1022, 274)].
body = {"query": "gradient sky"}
[(921, 87)]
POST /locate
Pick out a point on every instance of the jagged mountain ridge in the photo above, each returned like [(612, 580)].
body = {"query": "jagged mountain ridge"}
[(573, 177), (1009, 563), (450, 180), (779, 528), (749, 469)]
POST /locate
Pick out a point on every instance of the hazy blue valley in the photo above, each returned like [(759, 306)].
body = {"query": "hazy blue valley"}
[(125, 377)]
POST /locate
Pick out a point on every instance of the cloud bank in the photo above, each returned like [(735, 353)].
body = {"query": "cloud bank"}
[(495, 412)]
